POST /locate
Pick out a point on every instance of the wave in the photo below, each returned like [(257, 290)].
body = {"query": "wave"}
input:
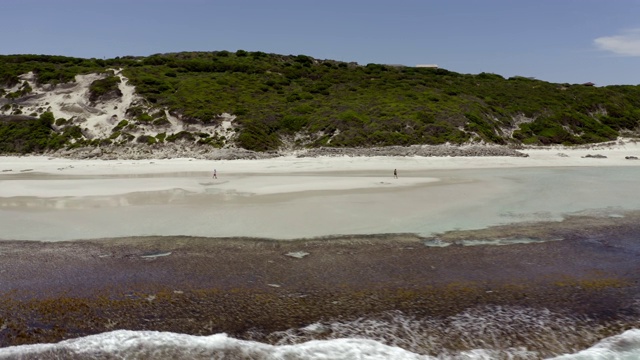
[(625, 346), (165, 345), (482, 333)]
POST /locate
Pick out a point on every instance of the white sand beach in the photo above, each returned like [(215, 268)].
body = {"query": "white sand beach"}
[(54, 199)]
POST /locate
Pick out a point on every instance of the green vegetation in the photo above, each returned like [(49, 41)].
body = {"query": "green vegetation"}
[(54, 70), (18, 135), (376, 105), (104, 87), (336, 104)]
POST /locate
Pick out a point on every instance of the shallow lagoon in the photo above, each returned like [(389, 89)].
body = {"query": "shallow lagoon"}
[(305, 204)]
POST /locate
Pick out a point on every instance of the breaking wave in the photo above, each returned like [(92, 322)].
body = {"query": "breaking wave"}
[(482, 333)]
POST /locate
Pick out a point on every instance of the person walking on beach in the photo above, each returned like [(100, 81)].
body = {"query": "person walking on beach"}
[(215, 176), (395, 173)]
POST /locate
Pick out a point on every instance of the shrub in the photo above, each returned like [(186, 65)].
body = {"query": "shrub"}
[(102, 87), (28, 135), (73, 131), (61, 121), (146, 139), (162, 121), (47, 119), (293, 123), (120, 126), (483, 128), (126, 137), (258, 137), (182, 135)]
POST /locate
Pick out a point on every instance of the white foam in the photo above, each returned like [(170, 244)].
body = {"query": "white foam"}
[(166, 345), (485, 333), (493, 332), (625, 346)]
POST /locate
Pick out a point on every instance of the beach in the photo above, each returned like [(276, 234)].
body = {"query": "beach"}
[(289, 197), (272, 246)]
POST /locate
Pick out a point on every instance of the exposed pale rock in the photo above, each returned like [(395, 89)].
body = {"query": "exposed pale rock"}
[(297, 254)]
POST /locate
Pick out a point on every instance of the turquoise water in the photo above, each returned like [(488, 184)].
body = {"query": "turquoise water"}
[(461, 199)]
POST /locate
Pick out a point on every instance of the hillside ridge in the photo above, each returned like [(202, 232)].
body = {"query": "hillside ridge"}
[(254, 102)]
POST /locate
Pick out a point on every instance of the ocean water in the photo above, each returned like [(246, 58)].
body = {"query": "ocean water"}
[(462, 200), (488, 333)]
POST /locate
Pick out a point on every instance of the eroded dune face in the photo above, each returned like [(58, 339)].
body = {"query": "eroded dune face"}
[(98, 117)]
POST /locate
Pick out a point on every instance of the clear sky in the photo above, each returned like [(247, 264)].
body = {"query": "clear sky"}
[(562, 41)]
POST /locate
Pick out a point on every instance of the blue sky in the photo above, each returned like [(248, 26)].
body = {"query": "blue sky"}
[(562, 41)]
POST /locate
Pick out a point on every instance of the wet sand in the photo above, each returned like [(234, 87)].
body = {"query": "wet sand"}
[(58, 290)]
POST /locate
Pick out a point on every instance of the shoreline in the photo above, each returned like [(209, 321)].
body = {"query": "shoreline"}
[(583, 265), (57, 199), (429, 157), (185, 151), (245, 287)]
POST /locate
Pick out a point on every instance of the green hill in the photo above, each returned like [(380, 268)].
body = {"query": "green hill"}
[(299, 101)]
